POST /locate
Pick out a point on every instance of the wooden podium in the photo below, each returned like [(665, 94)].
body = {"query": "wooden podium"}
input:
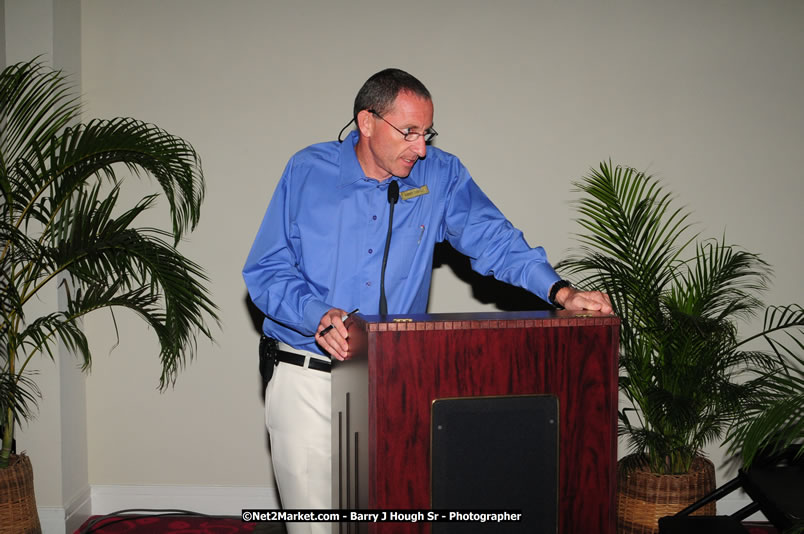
[(382, 397)]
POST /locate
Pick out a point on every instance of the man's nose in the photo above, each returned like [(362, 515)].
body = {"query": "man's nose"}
[(420, 147)]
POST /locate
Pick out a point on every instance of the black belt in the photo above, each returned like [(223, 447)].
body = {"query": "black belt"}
[(298, 359)]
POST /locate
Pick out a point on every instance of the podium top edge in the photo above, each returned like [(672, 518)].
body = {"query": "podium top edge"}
[(457, 321)]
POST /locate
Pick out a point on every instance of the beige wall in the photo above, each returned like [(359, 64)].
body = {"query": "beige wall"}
[(529, 94)]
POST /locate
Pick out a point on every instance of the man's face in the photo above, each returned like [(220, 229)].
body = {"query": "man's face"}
[(385, 152)]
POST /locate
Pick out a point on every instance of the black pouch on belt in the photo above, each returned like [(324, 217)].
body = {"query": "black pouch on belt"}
[(268, 354)]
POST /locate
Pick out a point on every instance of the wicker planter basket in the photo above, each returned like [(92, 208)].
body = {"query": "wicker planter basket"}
[(644, 497), (18, 513)]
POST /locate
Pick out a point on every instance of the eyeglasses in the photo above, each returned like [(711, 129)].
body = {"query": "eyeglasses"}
[(409, 136)]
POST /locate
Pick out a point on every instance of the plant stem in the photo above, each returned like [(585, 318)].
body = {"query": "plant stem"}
[(8, 436)]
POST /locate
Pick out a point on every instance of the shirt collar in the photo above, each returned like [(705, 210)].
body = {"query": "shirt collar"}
[(351, 171)]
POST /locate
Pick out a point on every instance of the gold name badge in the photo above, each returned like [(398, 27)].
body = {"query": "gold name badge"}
[(412, 193)]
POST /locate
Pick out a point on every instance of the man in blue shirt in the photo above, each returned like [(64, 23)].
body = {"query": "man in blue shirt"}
[(321, 250)]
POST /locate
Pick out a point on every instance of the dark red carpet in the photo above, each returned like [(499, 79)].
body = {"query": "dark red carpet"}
[(760, 528), (175, 525)]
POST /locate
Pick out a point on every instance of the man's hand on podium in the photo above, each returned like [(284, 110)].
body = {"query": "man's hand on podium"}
[(574, 300)]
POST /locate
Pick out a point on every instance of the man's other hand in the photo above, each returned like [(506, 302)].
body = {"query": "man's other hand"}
[(575, 300), (335, 340)]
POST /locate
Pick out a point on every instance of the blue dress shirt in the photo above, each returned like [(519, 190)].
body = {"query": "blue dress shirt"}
[(321, 242)]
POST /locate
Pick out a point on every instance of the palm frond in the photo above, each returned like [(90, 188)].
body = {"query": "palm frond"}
[(35, 104), (65, 164), (774, 420), (19, 394), (143, 148), (721, 281), (787, 320), (39, 336), (104, 253)]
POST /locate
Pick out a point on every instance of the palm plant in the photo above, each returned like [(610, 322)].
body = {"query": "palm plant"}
[(61, 224), (684, 368)]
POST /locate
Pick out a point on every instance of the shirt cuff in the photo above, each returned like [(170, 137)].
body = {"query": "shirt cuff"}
[(540, 279), (313, 312)]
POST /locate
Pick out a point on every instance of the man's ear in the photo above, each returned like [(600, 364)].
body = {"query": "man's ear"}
[(365, 123)]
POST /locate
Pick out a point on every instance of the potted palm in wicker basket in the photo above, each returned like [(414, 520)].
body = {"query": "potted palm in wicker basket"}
[(63, 225), (684, 367)]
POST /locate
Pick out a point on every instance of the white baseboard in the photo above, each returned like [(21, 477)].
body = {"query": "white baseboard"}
[(210, 500), (56, 520), (51, 519), (78, 510)]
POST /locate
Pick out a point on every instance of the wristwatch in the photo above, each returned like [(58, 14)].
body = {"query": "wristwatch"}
[(554, 289)]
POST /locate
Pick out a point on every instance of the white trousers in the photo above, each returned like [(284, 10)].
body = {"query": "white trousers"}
[(297, 415)]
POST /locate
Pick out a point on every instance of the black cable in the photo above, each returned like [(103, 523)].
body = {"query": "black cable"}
[(393, 197), (344, 128)]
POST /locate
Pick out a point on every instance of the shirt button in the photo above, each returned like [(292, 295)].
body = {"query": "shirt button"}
[(371, 251), (368, 284), (374, 218)]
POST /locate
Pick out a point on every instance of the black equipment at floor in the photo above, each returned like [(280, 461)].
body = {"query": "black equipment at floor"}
[(775, 485)]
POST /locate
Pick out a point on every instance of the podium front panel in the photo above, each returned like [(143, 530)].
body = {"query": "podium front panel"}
[(400, 365)]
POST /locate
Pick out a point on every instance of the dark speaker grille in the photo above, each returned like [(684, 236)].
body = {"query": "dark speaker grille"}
[(496, 453)]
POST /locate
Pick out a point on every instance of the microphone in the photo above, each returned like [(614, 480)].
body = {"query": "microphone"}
[(393, 195), (393, 198)]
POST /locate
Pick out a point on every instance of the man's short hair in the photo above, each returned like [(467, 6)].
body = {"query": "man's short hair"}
[(380, 91)]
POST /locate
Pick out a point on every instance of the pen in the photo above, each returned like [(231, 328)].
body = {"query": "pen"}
[(330, 327)]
